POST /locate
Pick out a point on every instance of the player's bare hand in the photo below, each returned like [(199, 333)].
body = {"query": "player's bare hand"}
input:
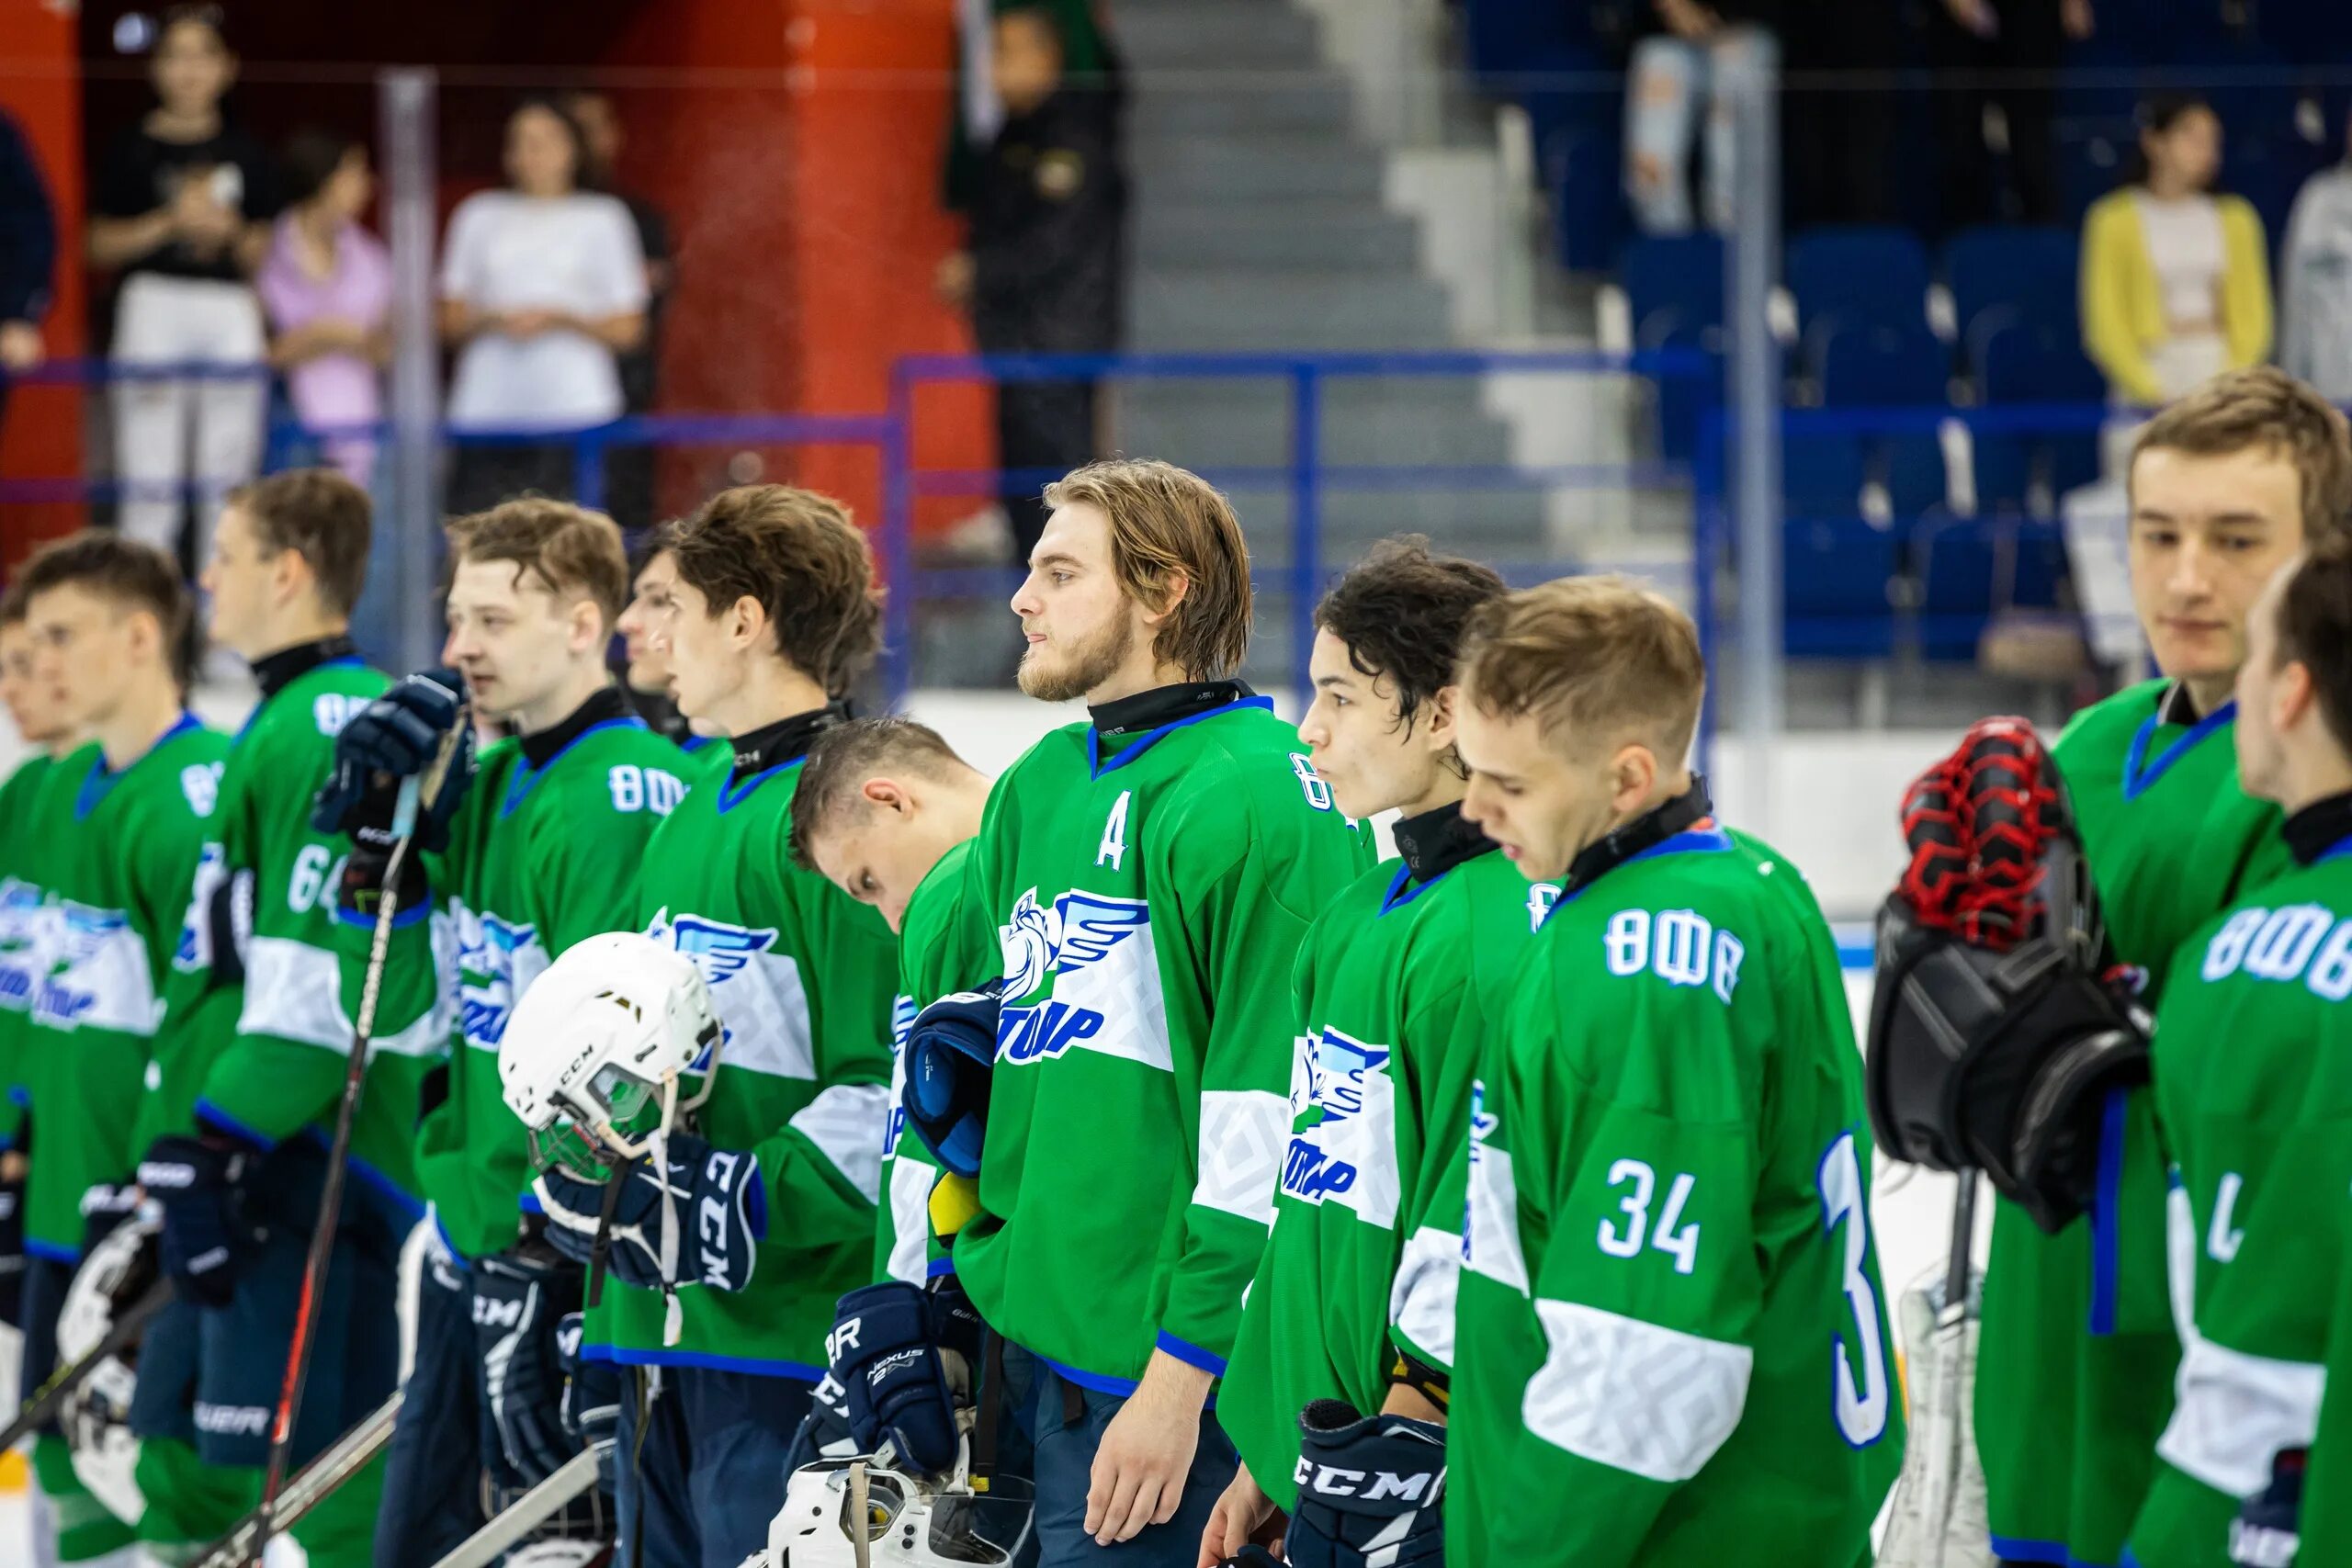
[(954, 278), (20, 347), (1240, 1512), (1147, 1452), (528, 323)]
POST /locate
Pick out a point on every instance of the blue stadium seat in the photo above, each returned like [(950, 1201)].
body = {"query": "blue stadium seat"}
[(2023, 363), (1861, 274), (1821, 476), (1956, 569), (1683, 273), (1681, 401), (2030, 269), (2041, 566), (1878, 366), (1833, 589)]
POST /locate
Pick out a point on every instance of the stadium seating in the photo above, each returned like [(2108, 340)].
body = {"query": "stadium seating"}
[(1860, 273), (1833, 580), (2027, 270)]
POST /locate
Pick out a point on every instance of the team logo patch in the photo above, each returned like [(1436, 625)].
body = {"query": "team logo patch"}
[(489, 966), (720, 950), (1345, 1151), (1098, 950)]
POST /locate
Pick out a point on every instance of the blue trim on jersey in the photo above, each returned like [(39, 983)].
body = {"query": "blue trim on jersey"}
[(400, 921), (940, 1269), (798, 1371), (21, 1095), (519, 785), (2021, 1550), (1390, 900), (98, 784), (2336, 851), (411, 1209), (1121, 1387), (49, 1252), (208, 1111), (732, 795), (2139, 775), (1192, 1355), (694, 743), (1690, 841), (530, 1204), (1151, 738), (2107, 1235)]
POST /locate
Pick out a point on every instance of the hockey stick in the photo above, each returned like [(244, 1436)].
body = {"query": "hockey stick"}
[(1952, 1327), (413, 792), (41, 1408), (307, 1488), (529, 1511)]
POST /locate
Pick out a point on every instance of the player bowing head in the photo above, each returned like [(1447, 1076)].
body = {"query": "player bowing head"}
[(1141, 579), (1381, 725), (773, 607), (881, 801), (535, 587), (2226, 485), (1579, 699), (1669, 1166)]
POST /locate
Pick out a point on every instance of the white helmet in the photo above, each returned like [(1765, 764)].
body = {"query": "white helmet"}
[(607, 1029), (854, 1512), (96, 1417)]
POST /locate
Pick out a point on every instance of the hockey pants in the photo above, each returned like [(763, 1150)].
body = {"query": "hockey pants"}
[(433, 1471), (700, 1484)]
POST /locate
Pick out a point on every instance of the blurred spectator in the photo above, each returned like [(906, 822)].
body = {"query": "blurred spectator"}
[(2315, 316), (2007, 54), (1838, 128), (542, 286), (28, 254), (628, 483), (181, 203), (2175, 287), (1672, 80), (327, 285), (1044, 272)]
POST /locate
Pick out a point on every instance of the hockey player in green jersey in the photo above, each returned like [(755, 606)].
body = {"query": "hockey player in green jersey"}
[(252, 1004), (885, 811), (772, 613), (645, 671), (1670, 1346), (2225, 486), (33, 710), (2254, 1095), (1398, 983), (121, 825), (1150, 873), (543, 850)]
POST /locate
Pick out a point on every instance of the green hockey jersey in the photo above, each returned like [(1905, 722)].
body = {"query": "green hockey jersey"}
[(2082, 1317), (945, 945), (1672, 1346), (1400, 982), (802, 977), (2327, 1488), (115, 883), (2253, 1092), (543, 851), (276, 1069), (20, 900), (1150, 883)]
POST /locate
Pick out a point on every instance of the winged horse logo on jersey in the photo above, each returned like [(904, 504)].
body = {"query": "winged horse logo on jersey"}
[(1077, 930), (720, 950)]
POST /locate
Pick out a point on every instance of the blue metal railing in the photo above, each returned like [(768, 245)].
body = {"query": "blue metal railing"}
[(1306, 479)]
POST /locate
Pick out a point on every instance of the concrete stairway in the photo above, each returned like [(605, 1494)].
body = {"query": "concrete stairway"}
[(1260, 226)]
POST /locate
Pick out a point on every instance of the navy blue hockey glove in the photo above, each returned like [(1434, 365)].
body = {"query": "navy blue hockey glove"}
[(715, 1195), (394, 737), (518, 1296), (1368, 1487), (105, 1205), (12, 1249), (2268, 1531), (824, 1433), (197, 1182), (951, 1048), (885, 1354), (591, 1399)]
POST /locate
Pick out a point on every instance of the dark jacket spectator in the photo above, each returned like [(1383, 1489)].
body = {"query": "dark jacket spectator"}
[(28, 250)]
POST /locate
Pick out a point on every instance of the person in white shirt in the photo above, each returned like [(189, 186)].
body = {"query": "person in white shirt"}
[(542, 285), (2315, 316)]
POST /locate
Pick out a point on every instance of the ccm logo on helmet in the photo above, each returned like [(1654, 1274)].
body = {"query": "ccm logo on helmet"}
[(1333, 1481)]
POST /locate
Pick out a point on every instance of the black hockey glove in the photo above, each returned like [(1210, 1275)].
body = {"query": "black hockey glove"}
[(394, 737), (951, 1049), (714, 1197), (198, 1182), (884, 1350), (518, 1297), (105, 1205), (591, 1399), (2268, 1531), (1368, 1491), (12, 1249)]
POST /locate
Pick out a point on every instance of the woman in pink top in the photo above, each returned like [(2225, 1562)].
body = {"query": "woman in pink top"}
[(327, 285)]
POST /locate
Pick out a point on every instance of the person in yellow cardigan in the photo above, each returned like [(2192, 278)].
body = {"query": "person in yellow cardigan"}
[(2176, 286)]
